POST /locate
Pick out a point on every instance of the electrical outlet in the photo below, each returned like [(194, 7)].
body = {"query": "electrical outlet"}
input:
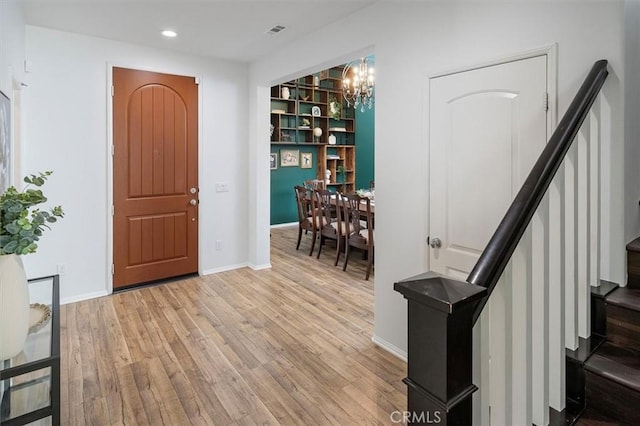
[(61, 268), (218, 244)]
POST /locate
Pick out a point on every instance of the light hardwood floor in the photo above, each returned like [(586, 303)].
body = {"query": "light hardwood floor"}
[(289, 345)]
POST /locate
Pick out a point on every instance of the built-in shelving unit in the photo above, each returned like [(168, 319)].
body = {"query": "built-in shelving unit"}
[(315, 101), (301, 105), (340, 160)]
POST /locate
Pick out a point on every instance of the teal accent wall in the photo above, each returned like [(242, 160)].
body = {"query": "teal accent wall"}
[(283, 199), (365, 150)]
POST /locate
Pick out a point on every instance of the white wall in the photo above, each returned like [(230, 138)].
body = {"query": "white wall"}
[(632, 123), (12, 55), (12, 40), (67, 131), (415, 40)]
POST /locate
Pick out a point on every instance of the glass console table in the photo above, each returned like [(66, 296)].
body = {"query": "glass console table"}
[(30, 381)]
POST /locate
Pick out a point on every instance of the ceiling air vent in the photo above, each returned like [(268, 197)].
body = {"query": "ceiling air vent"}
[(275, 30)]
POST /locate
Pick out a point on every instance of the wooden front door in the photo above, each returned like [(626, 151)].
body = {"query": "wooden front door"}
[(155, 176), (488, 126)]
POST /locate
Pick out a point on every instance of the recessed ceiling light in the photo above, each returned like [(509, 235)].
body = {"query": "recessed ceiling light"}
[(169, 33)]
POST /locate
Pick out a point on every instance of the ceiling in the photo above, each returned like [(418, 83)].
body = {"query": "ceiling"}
[(227, 29)]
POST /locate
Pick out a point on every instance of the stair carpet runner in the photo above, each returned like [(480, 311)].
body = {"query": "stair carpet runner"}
[(612, 371)]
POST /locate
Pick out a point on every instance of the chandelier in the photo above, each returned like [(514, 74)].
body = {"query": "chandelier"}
[(357, 84)]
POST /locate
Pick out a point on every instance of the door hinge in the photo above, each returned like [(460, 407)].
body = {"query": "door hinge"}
[(113, 91), (113, 269), (197, 80), (546, 101), (113, 150), (113, 210), (427, 240)]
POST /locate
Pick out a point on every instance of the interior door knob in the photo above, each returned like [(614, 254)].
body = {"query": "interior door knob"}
[(435, 242), (193, 202)]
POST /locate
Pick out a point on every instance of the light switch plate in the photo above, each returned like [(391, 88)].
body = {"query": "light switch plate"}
[(222, 187)]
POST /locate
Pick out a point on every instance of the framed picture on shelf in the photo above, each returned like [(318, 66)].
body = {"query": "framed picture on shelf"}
[(273, 161), (306, 160), (315, 111), (289, 157)]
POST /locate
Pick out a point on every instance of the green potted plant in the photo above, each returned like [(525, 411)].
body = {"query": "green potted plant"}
[(21, 226), (335, 109), (340, 173)]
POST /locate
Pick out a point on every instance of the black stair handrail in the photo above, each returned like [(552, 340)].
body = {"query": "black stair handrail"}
[(498, 251)]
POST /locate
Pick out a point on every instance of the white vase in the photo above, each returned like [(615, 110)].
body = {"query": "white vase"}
[(14, 306)]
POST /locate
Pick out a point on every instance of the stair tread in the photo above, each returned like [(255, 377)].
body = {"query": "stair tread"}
[(634, 245), (604, 289), (626, 298), (621, 365), (591, 417)]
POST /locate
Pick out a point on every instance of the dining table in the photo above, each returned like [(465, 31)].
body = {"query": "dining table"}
[(363, 204)]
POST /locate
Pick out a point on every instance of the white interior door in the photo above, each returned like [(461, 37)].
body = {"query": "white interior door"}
[(487, 127)]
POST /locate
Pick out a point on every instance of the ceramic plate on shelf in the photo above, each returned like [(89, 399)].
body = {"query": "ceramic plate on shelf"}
[(315, 111)]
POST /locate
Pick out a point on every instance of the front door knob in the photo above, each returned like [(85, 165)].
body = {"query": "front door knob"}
[(435, 242), (193, 202)]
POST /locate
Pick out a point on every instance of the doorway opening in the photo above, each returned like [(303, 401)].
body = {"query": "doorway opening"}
[(317, 136)]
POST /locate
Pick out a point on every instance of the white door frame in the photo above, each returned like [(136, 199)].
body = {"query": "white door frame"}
[(109, 253), (551, 52)]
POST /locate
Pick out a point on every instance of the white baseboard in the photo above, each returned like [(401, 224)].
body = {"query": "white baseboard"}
[(260, 267), (391, 348), (284, 225), (81, 297), (224, 268)]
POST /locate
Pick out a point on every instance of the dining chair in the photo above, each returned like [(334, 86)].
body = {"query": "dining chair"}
[(331, 228), (356, 234), (314, 184), (308, 220)]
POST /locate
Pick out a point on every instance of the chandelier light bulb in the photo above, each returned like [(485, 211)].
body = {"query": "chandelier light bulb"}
[(358, 91)]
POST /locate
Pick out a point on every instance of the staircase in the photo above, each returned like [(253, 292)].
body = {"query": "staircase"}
[(612, 370), (534, 278)]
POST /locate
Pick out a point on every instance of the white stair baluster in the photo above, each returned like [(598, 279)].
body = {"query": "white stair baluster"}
[(556, 251), (584, 305), (539, 314), (521, 332), (594, 194), (571, 248)]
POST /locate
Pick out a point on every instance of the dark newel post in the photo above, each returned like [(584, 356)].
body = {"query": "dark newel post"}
[(439, 378)]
